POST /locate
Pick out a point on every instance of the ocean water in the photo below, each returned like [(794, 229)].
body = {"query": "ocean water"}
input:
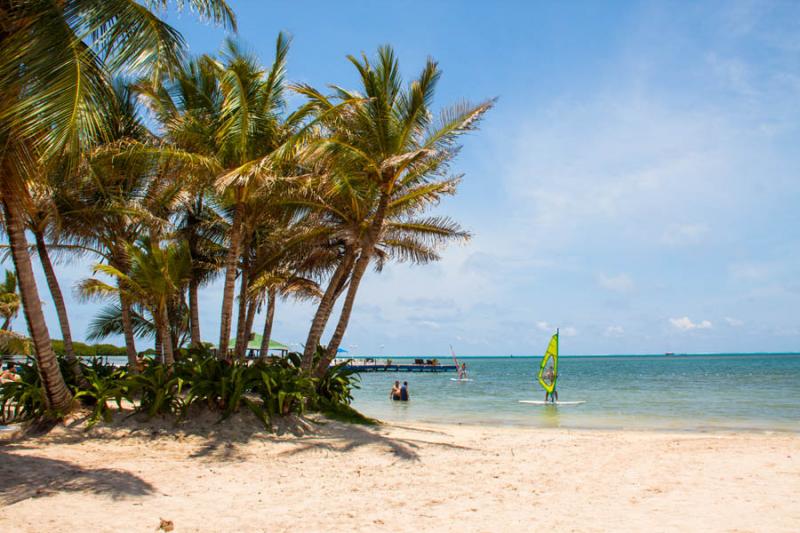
[(694, 393)]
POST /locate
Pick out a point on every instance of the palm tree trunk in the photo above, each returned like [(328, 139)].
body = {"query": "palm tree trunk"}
[(158, 344), (271, 294), (251, 317), (344, 317), (325, 308), (231, 262), (61, 308), (57, 395), (355, 280), (194, 313), (242, 335), (167, 356), (7, 324), (127, 330)]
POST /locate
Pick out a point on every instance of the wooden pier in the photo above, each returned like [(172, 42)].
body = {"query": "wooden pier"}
[(377, 367)]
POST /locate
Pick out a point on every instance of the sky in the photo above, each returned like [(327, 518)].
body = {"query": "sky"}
[(636, 184)]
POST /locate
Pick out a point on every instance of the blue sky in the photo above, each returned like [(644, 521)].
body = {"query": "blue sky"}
[(636, 184)]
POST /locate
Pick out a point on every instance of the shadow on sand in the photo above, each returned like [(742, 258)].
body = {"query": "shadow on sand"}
[(28, 476)]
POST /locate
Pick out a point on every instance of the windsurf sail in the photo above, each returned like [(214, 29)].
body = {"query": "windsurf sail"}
[(548, 368), (455, 360)]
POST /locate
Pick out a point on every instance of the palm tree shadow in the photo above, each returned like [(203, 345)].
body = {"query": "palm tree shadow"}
[(27, 476), (341, 438)]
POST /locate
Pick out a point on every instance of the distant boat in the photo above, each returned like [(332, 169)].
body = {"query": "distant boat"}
[(669, 353)]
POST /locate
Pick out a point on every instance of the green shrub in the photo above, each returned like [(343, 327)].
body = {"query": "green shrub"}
[(23, 400), (159, 391), (102, 388)]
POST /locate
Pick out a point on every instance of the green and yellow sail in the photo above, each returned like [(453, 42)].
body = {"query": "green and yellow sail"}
[(548, 369)]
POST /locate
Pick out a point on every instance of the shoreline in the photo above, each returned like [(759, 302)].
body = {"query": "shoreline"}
[(398, 476)]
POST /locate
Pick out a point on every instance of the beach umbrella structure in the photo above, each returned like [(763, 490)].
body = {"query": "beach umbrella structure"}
[(255, 344)]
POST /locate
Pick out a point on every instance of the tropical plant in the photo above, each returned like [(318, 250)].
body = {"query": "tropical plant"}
[(53, 97), (385, 145), (9, 300), (157, 274)]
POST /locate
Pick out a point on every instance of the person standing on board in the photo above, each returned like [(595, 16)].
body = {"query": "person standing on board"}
[(550, 377), (462, 372)]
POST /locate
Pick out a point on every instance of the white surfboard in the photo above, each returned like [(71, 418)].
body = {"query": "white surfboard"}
[(457, 379), (542, 402)]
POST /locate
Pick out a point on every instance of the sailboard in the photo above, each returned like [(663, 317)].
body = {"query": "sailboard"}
[(460, 380), (548, 375), (542, 402)]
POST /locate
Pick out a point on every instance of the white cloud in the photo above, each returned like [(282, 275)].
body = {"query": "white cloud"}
[(684, 234), (619, 283), (685, 324), (735, 322), (544, 326), (569, 331), (614, 331)]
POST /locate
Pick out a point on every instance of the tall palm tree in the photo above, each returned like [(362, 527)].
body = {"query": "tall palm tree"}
[(53, 95), (157, 274), (228, 110), (385, 139)]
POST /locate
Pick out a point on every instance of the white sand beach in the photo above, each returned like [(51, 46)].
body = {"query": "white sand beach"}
[(341, 477)]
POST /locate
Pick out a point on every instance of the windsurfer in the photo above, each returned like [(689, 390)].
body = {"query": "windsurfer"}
[(550, 377), (462, 371)]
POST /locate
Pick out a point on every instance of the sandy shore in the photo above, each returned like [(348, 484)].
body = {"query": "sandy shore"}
[(400, 478)]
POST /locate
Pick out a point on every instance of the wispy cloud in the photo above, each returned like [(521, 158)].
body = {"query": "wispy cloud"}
[(685, 324), (618, 283)]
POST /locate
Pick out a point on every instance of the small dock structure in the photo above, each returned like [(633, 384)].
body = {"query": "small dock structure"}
[(419, 365)]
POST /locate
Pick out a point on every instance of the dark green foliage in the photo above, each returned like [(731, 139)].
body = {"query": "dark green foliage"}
[(24, 399), (103, 386), (159, 391), (279, 387)]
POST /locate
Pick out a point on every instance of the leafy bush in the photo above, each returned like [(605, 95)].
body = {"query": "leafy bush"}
[(159, 390), (24, 399), (102, 388), (268, 389)]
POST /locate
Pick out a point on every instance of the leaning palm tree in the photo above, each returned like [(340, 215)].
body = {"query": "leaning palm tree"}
[(53, 94), (157, 274), (385, 139), (42, 220)]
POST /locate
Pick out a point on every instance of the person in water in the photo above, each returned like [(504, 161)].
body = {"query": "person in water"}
[(394, 394), (462, 372), (404, 392), (549, 377)]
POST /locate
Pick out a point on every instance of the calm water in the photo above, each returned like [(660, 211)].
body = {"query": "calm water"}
[(683, 393)]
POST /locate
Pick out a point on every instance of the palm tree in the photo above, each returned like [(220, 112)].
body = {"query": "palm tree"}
[(385, 140), (53, 95), (228, 111), (157, 274), (9, 300), (41, 219)]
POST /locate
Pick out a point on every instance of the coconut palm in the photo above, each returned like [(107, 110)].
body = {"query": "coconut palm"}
[(41, 218), (228, 110), (53, 97), (385, 139), (9, 300), (157, 274)]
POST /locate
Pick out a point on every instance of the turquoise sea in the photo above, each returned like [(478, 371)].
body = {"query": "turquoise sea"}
[(685, 392)]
